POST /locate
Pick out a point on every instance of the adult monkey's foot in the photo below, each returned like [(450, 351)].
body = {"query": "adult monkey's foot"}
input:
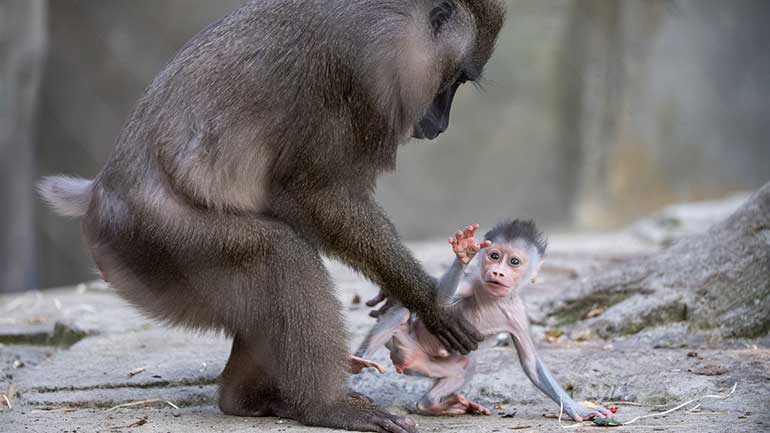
[(358, 413), (456, 404)]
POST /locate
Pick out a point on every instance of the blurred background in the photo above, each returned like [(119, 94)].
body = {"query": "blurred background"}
[(594, 113)]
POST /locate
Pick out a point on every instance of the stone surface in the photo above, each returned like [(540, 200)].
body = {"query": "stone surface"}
[(715, 280), (123, 358)]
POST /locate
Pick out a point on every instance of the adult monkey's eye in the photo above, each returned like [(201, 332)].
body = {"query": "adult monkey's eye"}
[(494, 256), (440, 15), (515, 261)]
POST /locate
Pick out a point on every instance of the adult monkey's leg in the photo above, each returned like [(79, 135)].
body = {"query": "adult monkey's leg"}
[(311, 362), (245, 387), (260, 281)]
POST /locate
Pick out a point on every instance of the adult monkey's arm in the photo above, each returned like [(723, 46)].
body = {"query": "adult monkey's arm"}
[(353, 227)]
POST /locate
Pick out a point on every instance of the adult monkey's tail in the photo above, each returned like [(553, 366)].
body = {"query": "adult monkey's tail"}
[(68, 196)]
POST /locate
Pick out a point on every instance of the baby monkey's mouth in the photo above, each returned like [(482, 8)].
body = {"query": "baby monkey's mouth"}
[(497, 284)]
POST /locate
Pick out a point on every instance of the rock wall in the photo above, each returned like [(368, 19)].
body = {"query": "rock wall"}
[(592, 112)]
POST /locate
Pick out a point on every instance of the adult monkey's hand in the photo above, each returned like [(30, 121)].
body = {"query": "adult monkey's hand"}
[(451, 330), (357, 231)]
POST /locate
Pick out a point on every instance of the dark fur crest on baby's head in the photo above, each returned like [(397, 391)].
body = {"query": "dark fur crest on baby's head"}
[(525, 230)]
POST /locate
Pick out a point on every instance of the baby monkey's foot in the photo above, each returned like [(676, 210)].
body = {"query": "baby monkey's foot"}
[(455, 404), (357, 365)]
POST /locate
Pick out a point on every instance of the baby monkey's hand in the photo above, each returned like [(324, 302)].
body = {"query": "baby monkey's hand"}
[(465, 246)]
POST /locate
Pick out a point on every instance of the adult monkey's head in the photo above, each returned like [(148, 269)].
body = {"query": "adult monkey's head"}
[(462, 36)]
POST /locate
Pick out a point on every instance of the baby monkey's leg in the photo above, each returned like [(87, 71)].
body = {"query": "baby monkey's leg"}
[(443, 398), (387, 325)]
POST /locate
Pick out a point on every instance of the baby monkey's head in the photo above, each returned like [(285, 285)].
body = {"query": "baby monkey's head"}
[(515, 256)]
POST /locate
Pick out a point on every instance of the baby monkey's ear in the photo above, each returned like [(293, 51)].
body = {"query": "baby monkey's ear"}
[(536, 271)]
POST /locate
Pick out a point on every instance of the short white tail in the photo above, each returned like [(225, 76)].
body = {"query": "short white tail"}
[(68, 196)]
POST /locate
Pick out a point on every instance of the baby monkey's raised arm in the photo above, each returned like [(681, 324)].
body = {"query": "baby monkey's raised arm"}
[(487, 292)]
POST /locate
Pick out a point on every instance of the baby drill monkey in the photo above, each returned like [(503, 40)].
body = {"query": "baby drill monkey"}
[(488, 296)]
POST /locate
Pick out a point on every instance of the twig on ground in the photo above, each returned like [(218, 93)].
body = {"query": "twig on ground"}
[(143, 402), (57, 410), (652, 415), (632, 403), (136, 371)]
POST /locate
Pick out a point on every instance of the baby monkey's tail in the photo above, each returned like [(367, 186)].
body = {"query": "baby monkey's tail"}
[(68, 196)]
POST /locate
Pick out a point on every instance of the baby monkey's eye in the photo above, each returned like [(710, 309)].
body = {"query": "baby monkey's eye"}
[(515, 261), (494, 256)]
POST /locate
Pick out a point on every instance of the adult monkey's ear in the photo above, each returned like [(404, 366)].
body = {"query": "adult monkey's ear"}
[(441, 14)]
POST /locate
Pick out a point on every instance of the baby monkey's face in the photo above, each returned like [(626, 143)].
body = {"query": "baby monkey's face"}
[(503, 267)]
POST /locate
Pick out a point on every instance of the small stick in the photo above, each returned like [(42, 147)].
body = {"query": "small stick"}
[(136, 371), (652, 415), (7, 401), (632, 403), (143, 402), (61, 409), (565, 426)]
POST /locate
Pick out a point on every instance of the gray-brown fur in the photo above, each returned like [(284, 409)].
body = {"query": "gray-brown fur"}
[(256, 149)]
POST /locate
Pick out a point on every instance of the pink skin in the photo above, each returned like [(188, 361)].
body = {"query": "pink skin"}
[(464, 246), (357, 365), (455, 404), (498, 273), (414, 351), (503, 268)]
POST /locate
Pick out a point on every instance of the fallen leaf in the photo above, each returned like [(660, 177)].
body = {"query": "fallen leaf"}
[(552, 335), (606, 422)]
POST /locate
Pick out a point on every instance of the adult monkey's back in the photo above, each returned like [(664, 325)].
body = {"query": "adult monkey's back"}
[(258, 147)]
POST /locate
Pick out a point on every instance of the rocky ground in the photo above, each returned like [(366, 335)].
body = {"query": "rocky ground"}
[(79, 359)]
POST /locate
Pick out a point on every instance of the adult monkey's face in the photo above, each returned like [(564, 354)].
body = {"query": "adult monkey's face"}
[(464, 33), (436, 120)]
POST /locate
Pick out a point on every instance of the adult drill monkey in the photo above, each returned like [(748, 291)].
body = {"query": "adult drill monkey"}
[(257, 148)]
